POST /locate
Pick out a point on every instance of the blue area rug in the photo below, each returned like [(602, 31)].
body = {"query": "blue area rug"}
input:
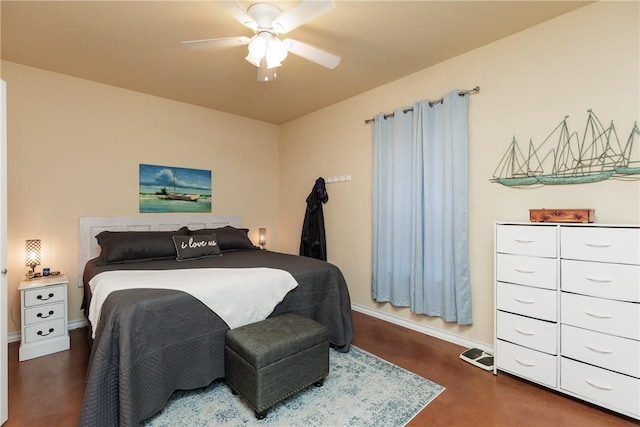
[(361, 390)]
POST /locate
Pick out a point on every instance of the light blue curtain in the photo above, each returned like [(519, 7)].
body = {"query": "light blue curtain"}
[(420, 211), (392, 194)]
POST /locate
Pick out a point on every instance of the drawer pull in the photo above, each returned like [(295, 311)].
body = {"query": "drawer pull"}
[(594, 280), (524, 301), (41, 298), (42, 316), (598, 316), (42, 334), (598, 245), (597, 350), (519, 270), (599, 387), (529, 364), (524, 241), (520, 331)]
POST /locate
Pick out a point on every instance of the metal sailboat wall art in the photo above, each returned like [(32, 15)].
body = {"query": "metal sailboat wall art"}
[(565, 157)]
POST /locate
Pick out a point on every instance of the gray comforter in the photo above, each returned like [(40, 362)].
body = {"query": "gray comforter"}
[(151, 342)]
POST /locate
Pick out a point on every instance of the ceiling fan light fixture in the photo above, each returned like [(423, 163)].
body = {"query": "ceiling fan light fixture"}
[(275, 53), (257, 50), (253, 60)]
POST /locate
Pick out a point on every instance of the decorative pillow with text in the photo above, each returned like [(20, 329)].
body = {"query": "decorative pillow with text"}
[(194, 247)]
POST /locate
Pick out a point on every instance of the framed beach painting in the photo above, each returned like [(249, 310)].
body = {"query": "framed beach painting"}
[(174, 189)]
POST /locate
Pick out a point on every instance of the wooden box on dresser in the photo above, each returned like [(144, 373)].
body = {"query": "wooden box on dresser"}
[(567, 316)]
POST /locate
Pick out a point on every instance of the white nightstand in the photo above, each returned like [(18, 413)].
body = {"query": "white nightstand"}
[(44, 316)]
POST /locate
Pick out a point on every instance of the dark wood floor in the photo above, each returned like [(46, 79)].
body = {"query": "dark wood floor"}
[(47, 391)]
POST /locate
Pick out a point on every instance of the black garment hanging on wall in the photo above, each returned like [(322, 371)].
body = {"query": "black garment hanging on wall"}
[(313, 242)]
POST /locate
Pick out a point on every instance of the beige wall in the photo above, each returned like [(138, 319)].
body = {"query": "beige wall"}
[(74, 148), (529, 81)]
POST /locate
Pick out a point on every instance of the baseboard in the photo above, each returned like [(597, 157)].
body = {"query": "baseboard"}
[(79, 323), (73, 324), (424, 329)]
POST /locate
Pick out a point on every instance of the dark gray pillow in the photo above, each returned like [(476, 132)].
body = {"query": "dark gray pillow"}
[(194, 247), (127, 246), (229, 238)]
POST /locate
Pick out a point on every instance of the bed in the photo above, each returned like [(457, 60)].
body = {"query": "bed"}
[(151, 342)]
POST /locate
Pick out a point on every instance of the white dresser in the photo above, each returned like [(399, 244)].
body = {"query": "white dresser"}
[(567, 300), (44, 316)]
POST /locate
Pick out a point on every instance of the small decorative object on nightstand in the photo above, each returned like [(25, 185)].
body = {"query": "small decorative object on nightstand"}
[(44, 316)]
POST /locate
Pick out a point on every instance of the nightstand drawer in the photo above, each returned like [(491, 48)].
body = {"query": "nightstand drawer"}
[(618, 245), (537, 241), (606, 351), (527, 270), (44, 313), (534, 365), (614, 390), (612, 281), (43, 295), (43, 331), (611, 317), (531, 333), (527, 301)]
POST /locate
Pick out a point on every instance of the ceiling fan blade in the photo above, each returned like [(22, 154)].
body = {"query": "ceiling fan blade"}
[(312, 53), (217, 43), (239, 13), (304, 12)]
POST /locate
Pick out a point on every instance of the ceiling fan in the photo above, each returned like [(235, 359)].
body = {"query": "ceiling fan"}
[(268, 21)]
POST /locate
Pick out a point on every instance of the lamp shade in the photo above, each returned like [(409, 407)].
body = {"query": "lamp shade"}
[(257, 49), (32, 252), (262, 236), (276, 53)]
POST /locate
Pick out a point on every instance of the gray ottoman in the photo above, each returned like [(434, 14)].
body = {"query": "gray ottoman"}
[(268, 361)]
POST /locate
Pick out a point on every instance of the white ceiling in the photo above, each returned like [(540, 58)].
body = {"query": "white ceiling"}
[(136, 45)]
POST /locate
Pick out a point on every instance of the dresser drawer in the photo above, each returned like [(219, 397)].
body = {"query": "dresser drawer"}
[(43, 331), (606, 351), (617, 245), (526, 270), (600, 385), (613, 281), (531, 240), (601, 315), (44, 295), (43, 313), (534, 365), (535, 334), (527, 301)]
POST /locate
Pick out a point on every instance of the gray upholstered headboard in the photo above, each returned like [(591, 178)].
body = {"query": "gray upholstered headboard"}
[(91, 226)]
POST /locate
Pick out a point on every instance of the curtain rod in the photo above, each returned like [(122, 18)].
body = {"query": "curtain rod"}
[(431, 104)]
